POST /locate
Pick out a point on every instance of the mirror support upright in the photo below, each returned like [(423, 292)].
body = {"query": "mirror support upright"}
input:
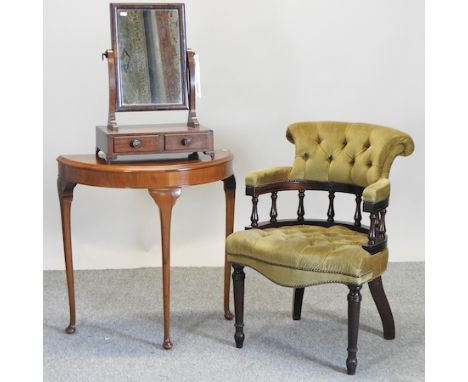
[(192, 116), (111, 121)]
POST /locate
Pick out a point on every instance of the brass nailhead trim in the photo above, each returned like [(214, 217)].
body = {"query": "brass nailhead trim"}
[(300, 269)]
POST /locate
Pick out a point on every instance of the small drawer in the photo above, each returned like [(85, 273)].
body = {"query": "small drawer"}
[(136, 144), (187, 142)]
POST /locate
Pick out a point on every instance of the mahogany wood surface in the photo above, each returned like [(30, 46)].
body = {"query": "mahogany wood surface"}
[(300, 208), (273, 209), (147, 143), (92, 171), (182, 141), (165, 199), (164, 180), (149, 129), (65, 191), (354, 308), (155, 139), (230, 192), (383, 307), (111, 121), (297, 303), (192, 119), (238, 277)]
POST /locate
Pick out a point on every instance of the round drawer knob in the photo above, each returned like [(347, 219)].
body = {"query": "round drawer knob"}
[(186, 141), (135, 143)]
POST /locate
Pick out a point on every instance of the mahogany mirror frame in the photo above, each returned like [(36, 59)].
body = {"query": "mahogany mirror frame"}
[(117, 96)]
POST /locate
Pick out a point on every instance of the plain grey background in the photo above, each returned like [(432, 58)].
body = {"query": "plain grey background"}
[(264, 64)]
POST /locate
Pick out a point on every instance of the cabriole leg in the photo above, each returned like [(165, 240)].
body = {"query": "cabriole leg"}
[(230, 193), (65, 192), (165, 199)]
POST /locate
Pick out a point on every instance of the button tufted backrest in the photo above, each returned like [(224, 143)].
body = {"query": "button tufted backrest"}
[(352, 153)]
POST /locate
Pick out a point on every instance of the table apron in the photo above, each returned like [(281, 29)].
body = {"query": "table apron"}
[(145, 179)]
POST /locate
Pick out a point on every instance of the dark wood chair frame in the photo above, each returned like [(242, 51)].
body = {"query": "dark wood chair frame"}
[(377, 241)]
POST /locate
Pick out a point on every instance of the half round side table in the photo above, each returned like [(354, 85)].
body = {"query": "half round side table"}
[(164, 181)]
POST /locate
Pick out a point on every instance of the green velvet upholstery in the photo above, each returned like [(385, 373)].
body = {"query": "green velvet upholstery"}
[(268, 175), (332, 152), (299, 256), (353, 153), (377, 191)]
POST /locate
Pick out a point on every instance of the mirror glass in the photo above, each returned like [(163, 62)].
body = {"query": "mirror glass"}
[(150, 53)]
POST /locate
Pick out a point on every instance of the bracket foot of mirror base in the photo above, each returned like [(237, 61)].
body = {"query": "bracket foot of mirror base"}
[(102, 155), (193, 123), (210, 153)]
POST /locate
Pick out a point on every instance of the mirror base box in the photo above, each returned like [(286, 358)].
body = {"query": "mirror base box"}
[(152, 139)]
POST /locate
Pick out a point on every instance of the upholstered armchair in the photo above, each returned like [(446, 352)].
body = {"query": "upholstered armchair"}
[(335, 157)]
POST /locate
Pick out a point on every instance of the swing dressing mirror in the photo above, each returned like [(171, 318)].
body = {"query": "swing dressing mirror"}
[(151, 69), (149, 47)]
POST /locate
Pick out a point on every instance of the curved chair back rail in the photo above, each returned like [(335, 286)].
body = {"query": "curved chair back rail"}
[(376, 231), (317, 222), (303, 185)]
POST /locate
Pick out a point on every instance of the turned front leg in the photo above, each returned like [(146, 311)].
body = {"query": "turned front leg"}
[(165, 199), (354, 307), (65, 193), (230, 193), (238, 277), (297, 303)]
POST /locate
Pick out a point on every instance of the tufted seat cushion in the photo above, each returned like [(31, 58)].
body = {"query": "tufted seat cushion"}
[(299, 256)]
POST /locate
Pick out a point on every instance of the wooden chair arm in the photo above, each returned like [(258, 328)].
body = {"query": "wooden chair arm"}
[(376, 231)]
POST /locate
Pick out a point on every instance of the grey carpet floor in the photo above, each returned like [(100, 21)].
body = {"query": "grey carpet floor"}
[(119, 329)]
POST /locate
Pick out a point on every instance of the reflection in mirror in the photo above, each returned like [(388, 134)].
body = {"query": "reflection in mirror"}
[(149, 61)]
